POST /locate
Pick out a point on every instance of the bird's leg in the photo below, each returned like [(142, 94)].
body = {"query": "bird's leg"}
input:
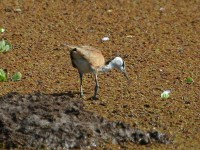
[(81, 81), (96, 87)]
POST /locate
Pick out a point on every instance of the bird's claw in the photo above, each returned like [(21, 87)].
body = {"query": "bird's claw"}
[(94, 98), (81, 95)]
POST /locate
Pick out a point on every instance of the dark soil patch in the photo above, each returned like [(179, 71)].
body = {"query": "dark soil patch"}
[(58, 121)]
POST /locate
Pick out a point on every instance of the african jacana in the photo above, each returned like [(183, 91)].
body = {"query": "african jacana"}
[(88, 59)]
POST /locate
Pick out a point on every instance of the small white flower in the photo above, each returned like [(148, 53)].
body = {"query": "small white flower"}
[(162, 9), (129, 36), (105, 39), (18, 10), (109, 10), (165, 94)]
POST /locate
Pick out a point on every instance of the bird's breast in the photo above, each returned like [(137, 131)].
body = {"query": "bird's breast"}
[(83, 66)]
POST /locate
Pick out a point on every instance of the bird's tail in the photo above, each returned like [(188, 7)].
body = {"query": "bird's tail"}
[(70, 46)]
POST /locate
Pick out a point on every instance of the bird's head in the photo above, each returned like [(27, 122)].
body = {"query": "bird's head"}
[(119, 63)]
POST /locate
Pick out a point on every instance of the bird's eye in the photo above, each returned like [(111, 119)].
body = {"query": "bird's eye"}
[(123, 64), (75, 49)]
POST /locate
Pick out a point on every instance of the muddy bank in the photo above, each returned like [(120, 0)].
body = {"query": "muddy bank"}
[(59, 121)]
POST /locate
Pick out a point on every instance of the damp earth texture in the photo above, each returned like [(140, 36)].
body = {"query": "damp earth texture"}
[(160, 43)]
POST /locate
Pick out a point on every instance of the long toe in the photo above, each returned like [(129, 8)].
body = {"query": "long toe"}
[(81, 95), (95, 98)]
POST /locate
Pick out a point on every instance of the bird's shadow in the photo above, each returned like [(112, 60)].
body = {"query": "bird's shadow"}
[(71, 94)]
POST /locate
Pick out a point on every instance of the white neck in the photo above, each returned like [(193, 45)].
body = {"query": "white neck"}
[(106, 67), (117, 62)]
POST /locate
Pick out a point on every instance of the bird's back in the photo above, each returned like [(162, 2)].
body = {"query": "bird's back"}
[(86, 54)]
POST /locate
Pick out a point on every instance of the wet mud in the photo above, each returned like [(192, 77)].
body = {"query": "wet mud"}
[(58, 121)]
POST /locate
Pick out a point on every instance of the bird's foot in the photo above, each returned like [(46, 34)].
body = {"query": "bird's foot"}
[(81, 95), (94, 98)]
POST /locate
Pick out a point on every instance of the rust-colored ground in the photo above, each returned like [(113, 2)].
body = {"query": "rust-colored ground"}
[(160, 40)]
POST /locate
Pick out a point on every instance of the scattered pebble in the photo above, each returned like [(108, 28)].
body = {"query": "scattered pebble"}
[(129, 36), (162, 9), (18, 10), (105, 39), (109, 10)]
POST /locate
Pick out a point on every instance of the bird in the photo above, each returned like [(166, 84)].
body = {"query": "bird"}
[(87, 59)]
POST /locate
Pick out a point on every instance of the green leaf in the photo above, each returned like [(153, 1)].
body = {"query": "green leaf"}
[(189, 80), (17, 76), (1, 49), (3, 43), (2, 30), (165, 94), (5, 46), (3, 75)]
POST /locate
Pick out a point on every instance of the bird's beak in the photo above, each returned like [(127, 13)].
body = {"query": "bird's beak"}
[(126, 75)]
